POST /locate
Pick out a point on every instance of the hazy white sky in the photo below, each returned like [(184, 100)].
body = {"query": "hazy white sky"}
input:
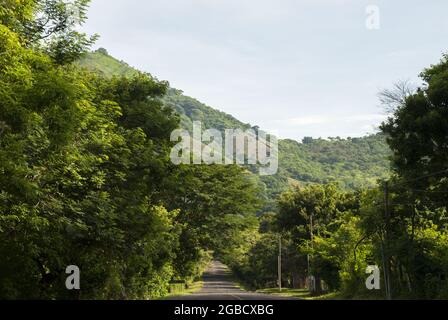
[(296, 67)]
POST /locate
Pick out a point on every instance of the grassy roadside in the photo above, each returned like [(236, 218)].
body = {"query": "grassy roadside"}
[(305, 295), (300, 294), (192, 288)]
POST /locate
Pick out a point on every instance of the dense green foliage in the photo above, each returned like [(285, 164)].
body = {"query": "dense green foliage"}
[(101, 62), (86, 180), (85, 174), (189, 109), (401, 226), (355, 162)]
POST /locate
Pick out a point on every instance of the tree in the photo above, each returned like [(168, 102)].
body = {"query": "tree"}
[(394, 98), (49, 26), (417, 133), (82, 161), (309, 214)]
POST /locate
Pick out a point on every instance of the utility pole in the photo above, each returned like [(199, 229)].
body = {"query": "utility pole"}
[(280, 263), (312, 229), (387, 239), (310, 276), (384, 268)]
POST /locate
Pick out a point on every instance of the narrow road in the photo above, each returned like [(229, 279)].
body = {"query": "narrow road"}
[(218, 285)]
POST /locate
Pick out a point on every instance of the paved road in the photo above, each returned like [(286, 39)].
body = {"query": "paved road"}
[(218, 285)]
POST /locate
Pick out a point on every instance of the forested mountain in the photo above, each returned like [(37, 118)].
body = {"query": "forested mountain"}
[(189, 109), (87, 185), (86, 181), (354, 163)]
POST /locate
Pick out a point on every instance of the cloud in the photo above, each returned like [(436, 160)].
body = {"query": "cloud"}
[(309, 63), (309, 120), (329, 125), (401, 54), (320, 120)]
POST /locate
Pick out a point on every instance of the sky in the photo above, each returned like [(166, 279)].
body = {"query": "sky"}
[(293, 67)]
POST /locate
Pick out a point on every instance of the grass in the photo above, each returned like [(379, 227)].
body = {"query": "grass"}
[(195, 287), (286, 292), (306, 295), (107, 65), (192, 288)]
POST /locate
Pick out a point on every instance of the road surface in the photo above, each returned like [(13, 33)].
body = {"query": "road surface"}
[(218, 285)]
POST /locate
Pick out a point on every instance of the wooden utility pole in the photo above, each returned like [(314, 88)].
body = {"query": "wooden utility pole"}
[(311, 229), (387, 239), (384, 268), (310, 276), (280, 263)]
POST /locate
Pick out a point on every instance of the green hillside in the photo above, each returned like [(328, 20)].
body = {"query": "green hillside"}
[(100, 61), (189, 109), (354, 163)]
